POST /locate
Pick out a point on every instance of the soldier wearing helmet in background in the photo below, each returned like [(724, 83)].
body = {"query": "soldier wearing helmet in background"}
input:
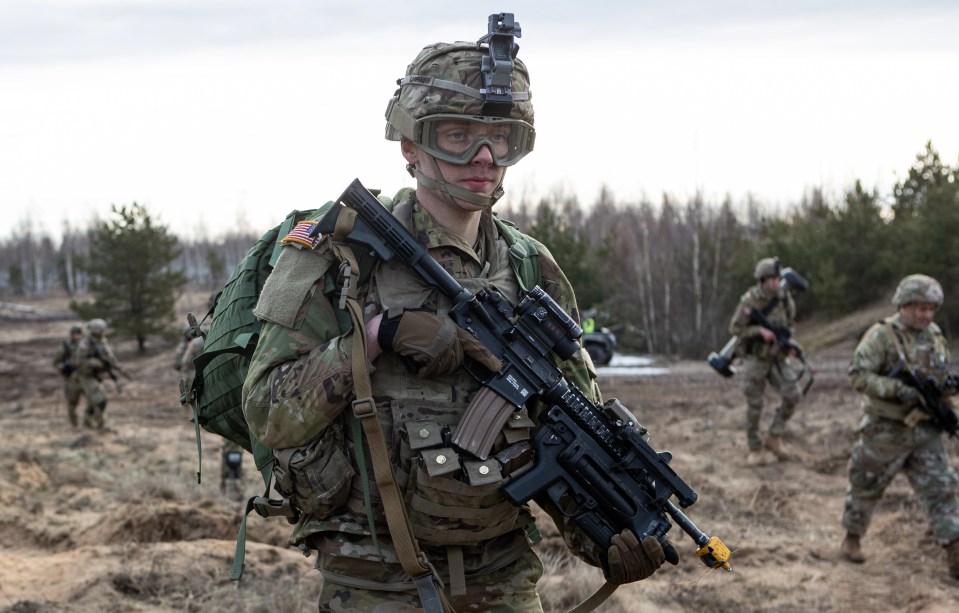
[(895, 434), (457, 136), (95, 360), (65, 362), (764, 360)]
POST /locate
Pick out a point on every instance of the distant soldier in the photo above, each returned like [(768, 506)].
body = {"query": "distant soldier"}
[(231, 465), (231, 469), (94, 360), (895, 434), (65, 362), (764, 360)]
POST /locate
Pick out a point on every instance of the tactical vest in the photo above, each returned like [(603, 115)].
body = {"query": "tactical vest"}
[(453, 502), (779, 310), (923, 350)]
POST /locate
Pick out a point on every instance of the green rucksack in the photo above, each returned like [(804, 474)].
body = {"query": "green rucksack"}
[(234, 330), (216, 395)]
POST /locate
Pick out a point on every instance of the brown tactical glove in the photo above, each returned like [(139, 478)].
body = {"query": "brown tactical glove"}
[(630, 559), (435, 344)]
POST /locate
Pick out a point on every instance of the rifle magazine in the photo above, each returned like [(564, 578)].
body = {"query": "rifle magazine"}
[(484, 419)]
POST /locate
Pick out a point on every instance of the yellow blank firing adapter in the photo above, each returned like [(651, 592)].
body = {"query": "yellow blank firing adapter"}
[(715, 554)]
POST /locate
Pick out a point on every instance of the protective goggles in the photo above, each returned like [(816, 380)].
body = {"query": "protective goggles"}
[(457, 138)]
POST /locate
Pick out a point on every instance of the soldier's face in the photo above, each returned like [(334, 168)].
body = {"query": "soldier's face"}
[(917, 315), (771, 284)]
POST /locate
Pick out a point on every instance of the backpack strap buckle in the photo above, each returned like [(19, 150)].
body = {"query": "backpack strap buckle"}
[(267, 507), (364, 407)]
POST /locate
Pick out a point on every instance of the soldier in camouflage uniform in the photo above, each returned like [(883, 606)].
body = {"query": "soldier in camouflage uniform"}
[(895, 433), (299, 388), (764, 361), (93, 357), (64, 361)]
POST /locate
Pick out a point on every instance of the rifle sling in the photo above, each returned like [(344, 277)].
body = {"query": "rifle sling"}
[(413, 561), (772, 304)]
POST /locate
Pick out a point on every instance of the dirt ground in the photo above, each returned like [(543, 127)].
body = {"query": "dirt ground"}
[(117, 522)]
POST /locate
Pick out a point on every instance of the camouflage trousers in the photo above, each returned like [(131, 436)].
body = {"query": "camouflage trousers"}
[(96, 397), (72, 391), (887, 447), (511, 589), (754, 375)]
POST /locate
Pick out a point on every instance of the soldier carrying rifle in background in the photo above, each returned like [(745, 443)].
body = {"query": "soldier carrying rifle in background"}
[(901, 369), (65, 362), (765, 356), (94, 359)]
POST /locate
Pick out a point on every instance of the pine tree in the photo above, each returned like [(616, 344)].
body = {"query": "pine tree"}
[(131, 279)]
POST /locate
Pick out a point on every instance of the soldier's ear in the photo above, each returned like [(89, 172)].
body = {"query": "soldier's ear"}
[(410, 151)]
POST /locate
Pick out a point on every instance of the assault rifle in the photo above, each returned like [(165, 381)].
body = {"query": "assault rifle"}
[(111, 368), (930, 396), (589, 460), (785, 342), (784, 336)]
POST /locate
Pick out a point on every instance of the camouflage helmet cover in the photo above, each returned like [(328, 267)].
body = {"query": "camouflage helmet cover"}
[(767, 267), (97, 326), (918, 288), (445, 78)]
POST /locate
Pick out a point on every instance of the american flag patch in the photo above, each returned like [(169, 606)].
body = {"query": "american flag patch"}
[(301, 235)]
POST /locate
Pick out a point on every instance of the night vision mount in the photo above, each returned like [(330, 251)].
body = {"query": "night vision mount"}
[(497, 67)]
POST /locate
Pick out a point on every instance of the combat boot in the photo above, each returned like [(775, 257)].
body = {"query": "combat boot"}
[(952, 558), (850, 549), (754, 457), (775, 444)]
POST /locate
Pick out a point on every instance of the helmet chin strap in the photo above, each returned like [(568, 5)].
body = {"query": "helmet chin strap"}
[(450, 192)]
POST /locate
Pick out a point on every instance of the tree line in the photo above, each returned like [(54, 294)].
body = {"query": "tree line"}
[(664, 276)]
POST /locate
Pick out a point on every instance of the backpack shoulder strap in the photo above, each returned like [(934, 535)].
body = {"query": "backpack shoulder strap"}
[(523, 254)]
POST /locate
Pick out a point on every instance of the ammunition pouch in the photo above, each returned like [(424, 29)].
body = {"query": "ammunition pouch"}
[(316, 476)]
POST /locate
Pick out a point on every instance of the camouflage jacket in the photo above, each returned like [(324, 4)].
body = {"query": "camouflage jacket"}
[(877, 356), (300, 382), (783, 314), (65, 358), (93, 356)]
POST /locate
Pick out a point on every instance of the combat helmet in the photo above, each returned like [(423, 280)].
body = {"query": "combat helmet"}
[(767, 267), (918, 288), (76, 329), (96, 327), (482, 84)]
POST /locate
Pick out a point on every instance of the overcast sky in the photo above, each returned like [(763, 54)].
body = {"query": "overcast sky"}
[(215, 113)]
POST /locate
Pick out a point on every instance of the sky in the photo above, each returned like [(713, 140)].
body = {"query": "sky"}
[(227, 114)]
